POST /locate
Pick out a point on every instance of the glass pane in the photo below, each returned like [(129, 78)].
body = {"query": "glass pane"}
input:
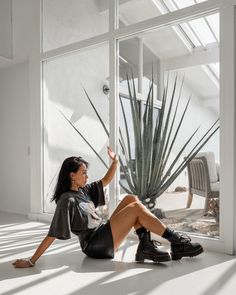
[(202, 30), (193, 37), (66, 104), (195, 33), (134, 11), (160, 51), (213, 21), (67, 21), (185, 3)]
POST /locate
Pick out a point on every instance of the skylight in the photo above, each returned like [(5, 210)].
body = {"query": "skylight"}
[(186, 3), (178, 4), (199, 32), (214, 23), (196, 33), (202, 30)]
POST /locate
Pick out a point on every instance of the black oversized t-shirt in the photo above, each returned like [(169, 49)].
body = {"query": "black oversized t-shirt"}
[(75, 211)]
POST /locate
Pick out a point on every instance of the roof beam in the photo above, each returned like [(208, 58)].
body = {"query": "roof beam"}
[(202, 57)]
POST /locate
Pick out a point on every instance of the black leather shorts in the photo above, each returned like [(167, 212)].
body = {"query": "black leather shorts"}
[(99, 244)]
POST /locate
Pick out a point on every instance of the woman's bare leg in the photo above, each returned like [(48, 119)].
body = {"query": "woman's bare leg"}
[(124, 202), (132, 214), (128, 199)]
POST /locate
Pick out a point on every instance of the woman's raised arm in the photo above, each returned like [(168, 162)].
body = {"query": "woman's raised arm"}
[(112, 170)]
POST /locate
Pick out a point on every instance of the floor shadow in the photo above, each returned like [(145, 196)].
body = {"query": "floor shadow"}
[(120, 275), (126, 277), (219, 284)]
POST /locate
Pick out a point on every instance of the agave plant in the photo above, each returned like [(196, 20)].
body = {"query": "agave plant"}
[(150, 175), (150, 172)]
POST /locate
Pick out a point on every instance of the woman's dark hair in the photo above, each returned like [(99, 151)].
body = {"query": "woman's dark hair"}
[(63, 185)]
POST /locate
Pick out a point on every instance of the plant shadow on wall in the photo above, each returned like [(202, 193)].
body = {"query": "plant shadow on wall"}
[(148, 170)]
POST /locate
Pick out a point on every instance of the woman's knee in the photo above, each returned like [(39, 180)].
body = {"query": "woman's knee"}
[(131, 198), (137, 206)]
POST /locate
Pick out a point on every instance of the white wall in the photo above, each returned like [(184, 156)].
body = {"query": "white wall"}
[(24, 27), (5, 29), (14, 112), (14, 133)]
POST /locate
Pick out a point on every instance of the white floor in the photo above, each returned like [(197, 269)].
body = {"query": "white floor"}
[(64, 269)]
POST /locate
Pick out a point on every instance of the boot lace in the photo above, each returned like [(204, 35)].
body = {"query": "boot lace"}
[(183, 238)]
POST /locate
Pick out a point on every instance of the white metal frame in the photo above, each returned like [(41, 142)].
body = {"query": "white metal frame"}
[(227, 240)]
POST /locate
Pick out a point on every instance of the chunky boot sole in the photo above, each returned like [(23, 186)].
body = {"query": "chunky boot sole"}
[(178, 256), (140, 257)]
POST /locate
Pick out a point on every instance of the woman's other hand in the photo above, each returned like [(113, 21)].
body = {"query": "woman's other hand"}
[(22, 263)]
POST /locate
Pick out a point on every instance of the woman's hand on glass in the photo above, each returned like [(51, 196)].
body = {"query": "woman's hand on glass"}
[(112, 155)]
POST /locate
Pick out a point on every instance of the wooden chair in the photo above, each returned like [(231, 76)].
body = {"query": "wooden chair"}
[(203, 178)]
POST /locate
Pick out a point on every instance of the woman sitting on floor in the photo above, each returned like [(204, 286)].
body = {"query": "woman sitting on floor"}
[(75, 212)]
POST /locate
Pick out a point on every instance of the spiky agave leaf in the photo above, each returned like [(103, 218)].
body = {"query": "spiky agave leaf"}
[(147, 138), (82, 136), (102, 122), (165, 184), (165, 157), (164, 134), (127, 177), (126, 128), (195, 149), (96, 112), (157, 139), (168, 146), (127, 154), (137, 133), (130, 173)]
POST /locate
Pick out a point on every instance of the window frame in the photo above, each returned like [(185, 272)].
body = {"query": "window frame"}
[(227, 241)]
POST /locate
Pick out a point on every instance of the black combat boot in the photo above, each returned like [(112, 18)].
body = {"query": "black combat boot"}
[(147, 249), (181, 245)]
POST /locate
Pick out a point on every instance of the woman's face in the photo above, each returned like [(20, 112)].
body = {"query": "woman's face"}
[(79, 178)]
